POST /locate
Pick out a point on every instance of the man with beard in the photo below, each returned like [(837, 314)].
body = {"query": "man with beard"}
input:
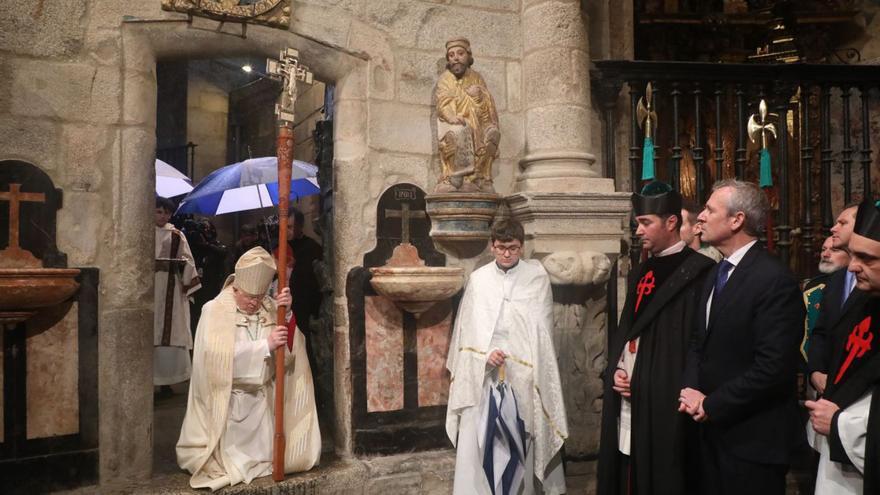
[(643, 442), (831, 260), (467, 123), (840, 294), (847, 418)]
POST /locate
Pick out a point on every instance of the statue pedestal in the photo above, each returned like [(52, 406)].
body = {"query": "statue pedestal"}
[(460, 221)]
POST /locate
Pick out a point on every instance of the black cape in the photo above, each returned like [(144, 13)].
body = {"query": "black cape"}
[(659, 431), (861, 376)]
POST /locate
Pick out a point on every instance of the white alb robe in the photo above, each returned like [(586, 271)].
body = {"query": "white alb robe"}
[(834, 478), (171, 364), (227, 433), (511, 311)]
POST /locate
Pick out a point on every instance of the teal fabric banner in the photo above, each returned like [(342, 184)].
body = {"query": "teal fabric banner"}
[(766, 175), (648, 160)]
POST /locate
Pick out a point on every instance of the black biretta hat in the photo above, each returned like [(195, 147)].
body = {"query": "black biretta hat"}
[(868, 221), (657, 198)]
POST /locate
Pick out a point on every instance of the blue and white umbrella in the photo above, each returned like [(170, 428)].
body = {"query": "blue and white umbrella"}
[(248, 185), (504, 440)]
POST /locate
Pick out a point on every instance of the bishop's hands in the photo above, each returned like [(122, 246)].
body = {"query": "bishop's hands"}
[(821, 415), (690, 401), (277, 337), (621, 383), (283, 298)]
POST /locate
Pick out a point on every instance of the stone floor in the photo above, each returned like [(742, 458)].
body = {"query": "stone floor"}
[(422, 473), (427, 473)]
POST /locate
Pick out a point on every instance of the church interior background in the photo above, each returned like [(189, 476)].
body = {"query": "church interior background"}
[(92, 91)]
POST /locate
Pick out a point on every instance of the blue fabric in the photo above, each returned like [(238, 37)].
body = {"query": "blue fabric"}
[(205, 197), (509, 431), (488, 458), (721, 279), (850, 279)]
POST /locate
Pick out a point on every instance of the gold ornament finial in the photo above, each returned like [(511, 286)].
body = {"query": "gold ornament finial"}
[(761, 127), (645, 114)]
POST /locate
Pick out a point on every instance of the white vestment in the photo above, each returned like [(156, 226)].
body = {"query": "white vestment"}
[(834, 478), (227, 433), (511, 311), (171, 362)]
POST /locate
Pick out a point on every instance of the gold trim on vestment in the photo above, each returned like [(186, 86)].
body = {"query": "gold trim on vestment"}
[(483, 353), (547, 415)]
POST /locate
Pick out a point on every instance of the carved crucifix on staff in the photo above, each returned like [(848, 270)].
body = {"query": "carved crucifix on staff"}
[(288, 70)]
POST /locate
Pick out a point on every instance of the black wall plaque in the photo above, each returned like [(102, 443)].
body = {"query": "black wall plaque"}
[(389, 226), (412, 428), (36, 221)]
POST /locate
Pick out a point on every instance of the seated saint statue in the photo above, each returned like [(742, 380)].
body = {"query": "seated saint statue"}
[(227, 433), (467, 124)]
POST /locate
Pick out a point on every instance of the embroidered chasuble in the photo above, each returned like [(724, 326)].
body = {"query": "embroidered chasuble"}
[(227, 433), (511, 311), (172, 338)]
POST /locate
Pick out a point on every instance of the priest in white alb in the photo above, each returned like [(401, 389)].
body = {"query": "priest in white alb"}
[(176, 278), (227, 433), (506, 318)]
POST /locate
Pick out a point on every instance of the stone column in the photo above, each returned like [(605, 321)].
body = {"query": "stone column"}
[(556, 81), (573, 218)]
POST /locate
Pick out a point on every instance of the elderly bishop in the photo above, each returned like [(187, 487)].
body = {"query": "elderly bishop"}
[(226, 437)]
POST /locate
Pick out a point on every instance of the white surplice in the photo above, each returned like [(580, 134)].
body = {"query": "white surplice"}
[(511, 311), (834, 478), (227, 433), (171, 364)]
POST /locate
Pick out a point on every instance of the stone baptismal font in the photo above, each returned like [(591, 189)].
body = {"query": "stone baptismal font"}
[(406, 280)]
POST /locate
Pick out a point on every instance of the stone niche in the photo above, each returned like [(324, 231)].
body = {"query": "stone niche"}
[(398, 362), (49, 363)]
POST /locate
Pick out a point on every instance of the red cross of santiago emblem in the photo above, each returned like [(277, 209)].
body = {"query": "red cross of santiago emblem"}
[(645, 287), (858, 343)]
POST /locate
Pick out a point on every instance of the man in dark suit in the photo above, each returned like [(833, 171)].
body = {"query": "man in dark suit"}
[(840, 294), (741, 377)]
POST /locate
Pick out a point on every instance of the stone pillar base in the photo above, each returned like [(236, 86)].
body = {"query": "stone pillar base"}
[(562, 171)]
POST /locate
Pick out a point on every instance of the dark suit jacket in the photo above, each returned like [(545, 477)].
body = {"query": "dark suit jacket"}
[(746, 361), (830, 312)]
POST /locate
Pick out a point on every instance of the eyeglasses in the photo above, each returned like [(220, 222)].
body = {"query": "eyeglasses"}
[(507, 249)]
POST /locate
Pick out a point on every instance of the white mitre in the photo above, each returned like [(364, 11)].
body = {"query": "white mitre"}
[(254, 272)]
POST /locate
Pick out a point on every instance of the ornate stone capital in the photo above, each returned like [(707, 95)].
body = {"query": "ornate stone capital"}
[(577, 267)]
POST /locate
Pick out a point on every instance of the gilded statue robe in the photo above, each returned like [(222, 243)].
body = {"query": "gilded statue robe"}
[(454, 99), (233, 385)]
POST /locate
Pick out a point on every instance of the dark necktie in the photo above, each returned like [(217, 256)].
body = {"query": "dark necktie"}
[(721, 278)]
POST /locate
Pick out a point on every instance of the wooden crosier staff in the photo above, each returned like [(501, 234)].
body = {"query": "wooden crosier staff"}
[(289, 71)]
